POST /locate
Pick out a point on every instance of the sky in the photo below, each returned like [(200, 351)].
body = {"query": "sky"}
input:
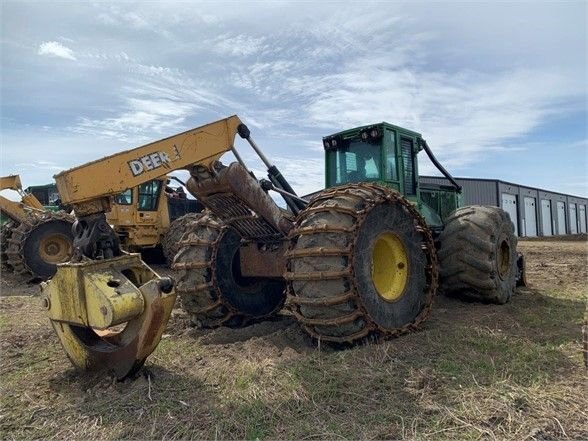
[(498, 89)]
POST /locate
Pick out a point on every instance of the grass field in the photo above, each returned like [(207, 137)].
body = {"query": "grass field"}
[(473, 372)]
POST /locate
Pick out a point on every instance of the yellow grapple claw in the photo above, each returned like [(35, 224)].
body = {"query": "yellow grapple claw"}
[(109, 314)]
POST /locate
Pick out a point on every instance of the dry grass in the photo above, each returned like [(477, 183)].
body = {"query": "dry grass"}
[(475, 372)]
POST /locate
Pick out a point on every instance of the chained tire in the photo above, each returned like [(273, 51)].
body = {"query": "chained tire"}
[(211, 287), (5, 234), (362, 263), (38, 245), (477, 255), (171, 241)]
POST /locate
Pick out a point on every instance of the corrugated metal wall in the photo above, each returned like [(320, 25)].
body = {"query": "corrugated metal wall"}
[(534, 212), (475, 191)]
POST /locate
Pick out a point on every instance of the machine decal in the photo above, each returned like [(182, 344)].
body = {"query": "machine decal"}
[(149, 162)]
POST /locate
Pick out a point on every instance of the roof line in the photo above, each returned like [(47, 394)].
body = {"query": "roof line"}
[(510, 183)]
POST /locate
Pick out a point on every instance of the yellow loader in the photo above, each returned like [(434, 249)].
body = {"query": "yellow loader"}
[(34, 240), (151, 215)]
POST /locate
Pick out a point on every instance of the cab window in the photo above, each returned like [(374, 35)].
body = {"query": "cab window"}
[(149, 195), (391, 171), (358, 162), (124, 198)]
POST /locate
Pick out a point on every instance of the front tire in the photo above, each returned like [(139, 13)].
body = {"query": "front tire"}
[(362, 263), (211, 286), (478, 254)]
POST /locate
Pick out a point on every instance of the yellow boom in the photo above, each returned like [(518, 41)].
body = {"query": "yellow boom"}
[(17, 211), (89, 187)]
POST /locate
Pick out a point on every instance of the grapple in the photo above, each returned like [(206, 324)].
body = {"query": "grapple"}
[(109, 314)]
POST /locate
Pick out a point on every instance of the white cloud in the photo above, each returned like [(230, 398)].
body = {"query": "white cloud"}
[(115, 16), (304, 175), (56, 49), (39, 165), (241, 45), (155, 101)]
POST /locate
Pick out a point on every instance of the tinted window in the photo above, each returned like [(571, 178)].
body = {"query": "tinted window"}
[(148, 195), (391, 172), (124, 198), (358, 163)]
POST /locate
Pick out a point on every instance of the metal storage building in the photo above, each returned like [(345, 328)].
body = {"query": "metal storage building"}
[(534, 212)]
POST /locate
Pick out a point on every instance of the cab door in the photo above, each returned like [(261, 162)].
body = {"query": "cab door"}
[(390, 152), (148, 202)]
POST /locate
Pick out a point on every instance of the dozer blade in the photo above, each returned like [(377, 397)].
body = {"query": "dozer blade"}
[(109, 314)]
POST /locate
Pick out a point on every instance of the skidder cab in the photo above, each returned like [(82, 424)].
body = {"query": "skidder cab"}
[(387, 154)]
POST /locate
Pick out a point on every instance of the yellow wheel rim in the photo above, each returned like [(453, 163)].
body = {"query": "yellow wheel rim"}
[(55, 248), (389, 266)]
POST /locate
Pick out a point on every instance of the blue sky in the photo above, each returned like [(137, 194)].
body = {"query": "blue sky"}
[(498, 89)]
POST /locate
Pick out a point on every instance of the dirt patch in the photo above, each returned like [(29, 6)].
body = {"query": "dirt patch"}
[(556, 264), (13, 285)]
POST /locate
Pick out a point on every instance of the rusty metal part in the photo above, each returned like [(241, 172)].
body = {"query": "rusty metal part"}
[(263, 260), (88, 208), (198, 284), (352, 311), (108, 314), (521, 270), (238, 200), (15, 251)]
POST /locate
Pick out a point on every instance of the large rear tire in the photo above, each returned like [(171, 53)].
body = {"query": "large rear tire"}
[(211, 286), (171, 241), (37, 246), (478, 254), (362, 263)]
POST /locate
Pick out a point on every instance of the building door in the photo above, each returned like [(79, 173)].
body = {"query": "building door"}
[(530, 217), (509, 204), (582, 218), (546, 217), (573, 220), (561, 218)]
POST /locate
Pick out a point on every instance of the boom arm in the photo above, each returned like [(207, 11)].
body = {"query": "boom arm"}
[(17, 211), (89, 187)]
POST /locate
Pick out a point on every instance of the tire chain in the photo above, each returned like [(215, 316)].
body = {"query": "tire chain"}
[(5, 234), (170, 245), (370, 195), (15, 250), (191, 289)]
